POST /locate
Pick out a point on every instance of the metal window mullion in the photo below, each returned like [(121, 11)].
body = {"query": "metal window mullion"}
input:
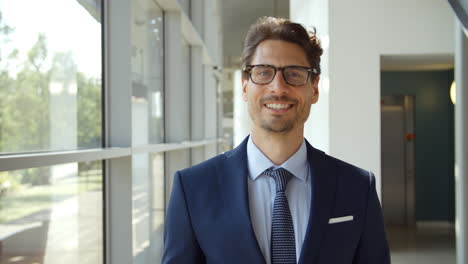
[(34, 160), (119, 248), (197, 16), (177, 95), (210, 39), (25, 161), (197, 103)]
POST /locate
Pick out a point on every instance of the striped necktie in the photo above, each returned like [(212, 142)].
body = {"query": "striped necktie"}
[(283, 244)]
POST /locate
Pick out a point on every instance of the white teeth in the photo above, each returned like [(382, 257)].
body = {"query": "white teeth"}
[(278, 106)]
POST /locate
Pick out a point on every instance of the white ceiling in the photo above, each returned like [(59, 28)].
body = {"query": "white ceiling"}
[(238, 15)]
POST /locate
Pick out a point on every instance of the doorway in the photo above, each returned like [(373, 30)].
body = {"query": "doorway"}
[(398, 159)]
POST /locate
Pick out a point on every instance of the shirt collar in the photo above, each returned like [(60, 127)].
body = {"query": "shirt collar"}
[(258, 162)]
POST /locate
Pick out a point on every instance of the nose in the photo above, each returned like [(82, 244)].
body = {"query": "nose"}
[(278, 85)]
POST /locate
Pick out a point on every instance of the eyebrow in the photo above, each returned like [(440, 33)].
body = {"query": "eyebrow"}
[(270, 64)]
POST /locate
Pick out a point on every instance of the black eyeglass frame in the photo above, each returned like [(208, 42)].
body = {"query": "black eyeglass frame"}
[(248, 69)]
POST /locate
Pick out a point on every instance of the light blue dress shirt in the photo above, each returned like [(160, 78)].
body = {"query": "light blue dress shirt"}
[(262, 192)]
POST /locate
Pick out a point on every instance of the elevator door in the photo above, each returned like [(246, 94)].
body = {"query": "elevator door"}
[(397, 159)]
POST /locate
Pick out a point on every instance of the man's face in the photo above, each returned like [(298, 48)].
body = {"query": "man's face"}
[(277, 106)]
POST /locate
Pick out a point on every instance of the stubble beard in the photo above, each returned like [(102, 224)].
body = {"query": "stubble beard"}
[(279, 124)]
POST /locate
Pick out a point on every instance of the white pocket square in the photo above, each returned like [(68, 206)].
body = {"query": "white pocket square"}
[(341, 219)]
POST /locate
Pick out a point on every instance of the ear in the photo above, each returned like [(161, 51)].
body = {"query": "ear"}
[(245, 82), (315, 90)]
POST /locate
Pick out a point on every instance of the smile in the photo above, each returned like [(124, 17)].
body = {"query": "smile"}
[(278, 106)]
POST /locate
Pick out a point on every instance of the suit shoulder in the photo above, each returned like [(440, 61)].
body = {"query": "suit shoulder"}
[(201, 180), (352, 186), (204, 167), (348, 171)]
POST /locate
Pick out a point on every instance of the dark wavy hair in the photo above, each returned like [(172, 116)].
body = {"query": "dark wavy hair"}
[(266, 28)]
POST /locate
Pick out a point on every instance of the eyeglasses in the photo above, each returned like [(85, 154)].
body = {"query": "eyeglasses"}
[(292, 75)]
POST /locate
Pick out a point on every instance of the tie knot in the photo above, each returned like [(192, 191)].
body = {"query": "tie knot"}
[(281, 177)]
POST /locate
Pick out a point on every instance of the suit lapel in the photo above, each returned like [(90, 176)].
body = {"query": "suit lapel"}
[(323, 180), (233, 176)]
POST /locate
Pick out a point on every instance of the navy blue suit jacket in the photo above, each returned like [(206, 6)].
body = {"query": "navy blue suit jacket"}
[(208, 218)]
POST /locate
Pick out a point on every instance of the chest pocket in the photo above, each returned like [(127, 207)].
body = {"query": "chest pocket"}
[(342, 237)]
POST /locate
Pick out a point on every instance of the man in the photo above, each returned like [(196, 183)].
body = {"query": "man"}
[(275, 198)]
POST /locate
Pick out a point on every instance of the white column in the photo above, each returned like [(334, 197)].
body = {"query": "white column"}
[(461, 144), (241, 119)]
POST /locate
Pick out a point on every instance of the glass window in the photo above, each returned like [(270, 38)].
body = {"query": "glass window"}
[(52, 214), (147, 73), (148, 207), (50, 75)]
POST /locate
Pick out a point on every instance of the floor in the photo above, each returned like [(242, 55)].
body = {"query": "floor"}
[(422, 246), (69, 232)]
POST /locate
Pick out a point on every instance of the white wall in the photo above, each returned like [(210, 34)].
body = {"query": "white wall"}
[(360, 32)]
